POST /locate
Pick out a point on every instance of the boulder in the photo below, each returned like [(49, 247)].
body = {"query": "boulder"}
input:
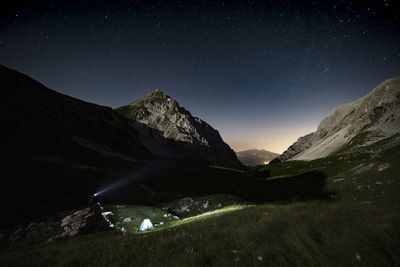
[(65, 221), (17, 235), (81, 222)]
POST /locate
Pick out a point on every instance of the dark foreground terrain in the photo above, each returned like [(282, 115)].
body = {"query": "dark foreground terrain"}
[(359, 226)]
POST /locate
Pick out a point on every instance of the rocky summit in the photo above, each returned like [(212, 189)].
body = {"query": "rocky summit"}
[(175, 132), (373, 117)]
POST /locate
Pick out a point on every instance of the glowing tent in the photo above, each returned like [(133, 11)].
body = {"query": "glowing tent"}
[(146, 225)]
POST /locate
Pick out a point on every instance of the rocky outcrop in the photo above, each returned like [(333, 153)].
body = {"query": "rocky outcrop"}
[(301, 144), (175, 132), (82, 222), (34, 231), (377, 113)]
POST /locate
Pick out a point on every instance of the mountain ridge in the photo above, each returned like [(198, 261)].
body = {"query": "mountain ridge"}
[(377, 113)]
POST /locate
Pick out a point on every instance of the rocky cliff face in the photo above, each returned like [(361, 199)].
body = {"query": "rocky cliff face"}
[(176, 133), (376, 114)]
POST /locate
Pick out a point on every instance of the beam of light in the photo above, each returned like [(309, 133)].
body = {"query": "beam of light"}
[(124, 180), (151, 168)]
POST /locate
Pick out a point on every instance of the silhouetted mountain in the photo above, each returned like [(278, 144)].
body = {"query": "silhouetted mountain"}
[(367, 120), (55, 148), (39, 121), (176, 133), (253, 157)]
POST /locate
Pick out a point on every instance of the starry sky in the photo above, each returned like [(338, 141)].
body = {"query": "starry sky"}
[(261, 72)]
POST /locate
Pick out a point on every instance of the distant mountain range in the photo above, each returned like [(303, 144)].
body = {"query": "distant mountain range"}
[(254, 157), (367, 120)]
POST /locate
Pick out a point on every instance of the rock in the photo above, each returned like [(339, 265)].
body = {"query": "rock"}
[(301, 144), (32, 225), (66, 220), (17, 235), (81, 222), (76, 225), (34, 231), (61, 236), (82, 212), (91, 214), (74, 233)]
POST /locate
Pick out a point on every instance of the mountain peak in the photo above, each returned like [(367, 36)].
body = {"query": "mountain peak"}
[(195, 137), (156, 98), (156, 94)]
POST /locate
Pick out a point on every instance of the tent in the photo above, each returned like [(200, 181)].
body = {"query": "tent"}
[(146, 225)]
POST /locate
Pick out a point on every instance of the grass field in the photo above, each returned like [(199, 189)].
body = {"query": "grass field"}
[(358, 226), (128, 218), (309, 233)]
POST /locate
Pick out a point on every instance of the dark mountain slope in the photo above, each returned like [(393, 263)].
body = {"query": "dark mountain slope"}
[(55, 148)]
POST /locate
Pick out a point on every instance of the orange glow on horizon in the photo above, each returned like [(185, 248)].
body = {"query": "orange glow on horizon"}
[(273, 140)]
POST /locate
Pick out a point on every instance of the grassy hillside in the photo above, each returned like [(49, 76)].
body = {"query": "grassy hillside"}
[(309, 233), (358, 226), (358, 172)]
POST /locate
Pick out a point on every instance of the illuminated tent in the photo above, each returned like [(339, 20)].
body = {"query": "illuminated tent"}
[(146, 225)]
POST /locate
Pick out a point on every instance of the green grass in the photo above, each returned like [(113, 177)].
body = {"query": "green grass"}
[(358, 228), (370, 174), (136, 215), (196, 218), (302, 234), (129, 217), (160, 219), (194, 206)]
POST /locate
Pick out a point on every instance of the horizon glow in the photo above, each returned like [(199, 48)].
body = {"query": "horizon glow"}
[(262, 73)]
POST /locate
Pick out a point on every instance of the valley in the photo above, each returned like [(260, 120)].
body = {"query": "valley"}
[(358, 222), (153, 162)]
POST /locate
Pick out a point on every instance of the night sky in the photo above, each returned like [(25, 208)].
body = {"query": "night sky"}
[(262, 73)]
